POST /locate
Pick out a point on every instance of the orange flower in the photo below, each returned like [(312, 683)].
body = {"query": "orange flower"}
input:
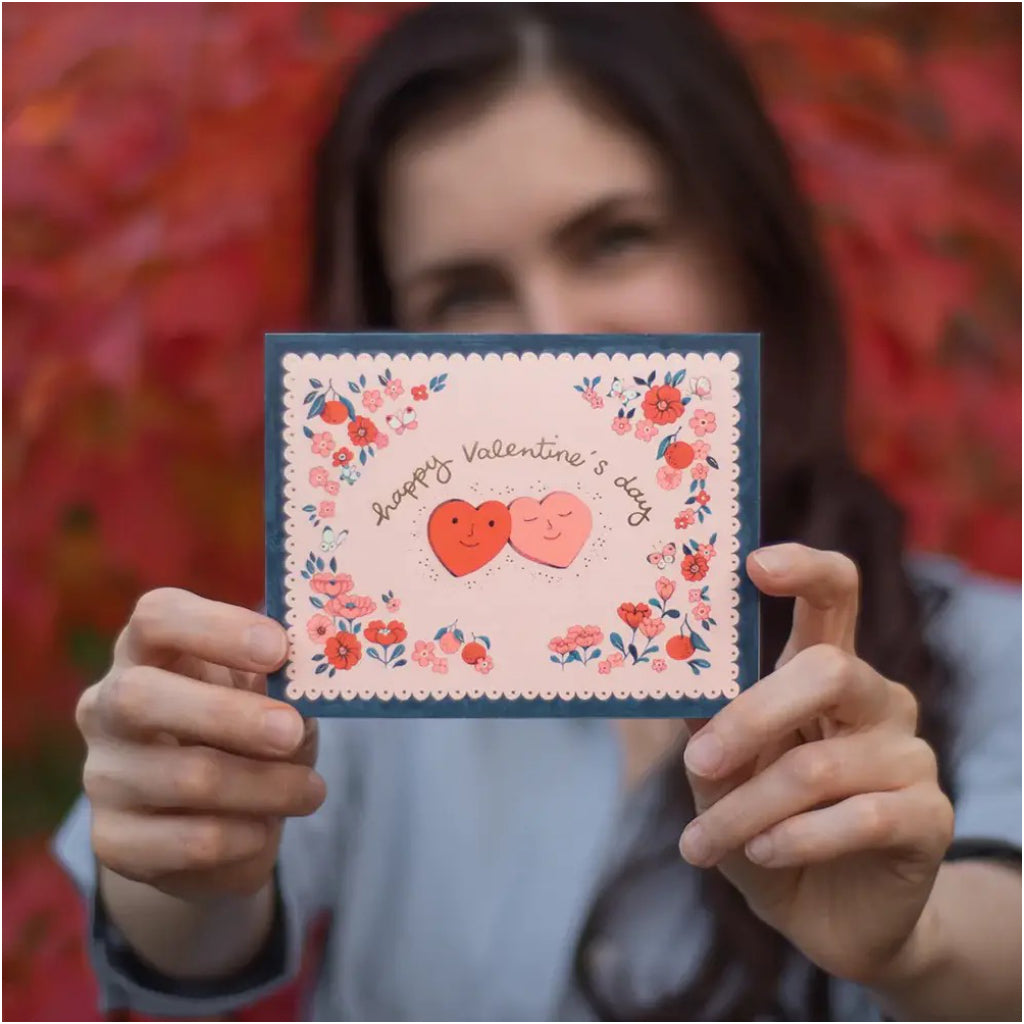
[(393, 633), (633, 614), (362, 432), (663, 404), (695, 567), (343, 650)]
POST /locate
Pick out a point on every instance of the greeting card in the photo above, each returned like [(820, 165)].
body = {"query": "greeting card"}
[(511, 525)]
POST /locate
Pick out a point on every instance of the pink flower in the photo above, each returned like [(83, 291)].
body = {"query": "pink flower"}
[(332, 487), (604, 668), (646, 430), (659, 664), (319, 628), (701, 611), (707, 550), (584, 636), (393, 605), (382, 439), (595, 400), (701, 449), (561, 645), (333, 585), (440, 666), (699, 471), (651, 627), (394, 388), (620, 425), (701, 387), (665, 588), (419, 393), (684, 519), (484, 665), (318, 476), (351, 606), (668, 478), (326, 510), (616, 659), (372, 400), (423, 653), (702, 422), (703, 497), (694, 595), (323, 443)]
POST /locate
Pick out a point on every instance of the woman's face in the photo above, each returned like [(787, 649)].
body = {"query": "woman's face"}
[(542, 214)]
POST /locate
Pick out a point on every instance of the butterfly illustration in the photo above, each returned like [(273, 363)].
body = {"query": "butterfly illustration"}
[(618, 391), (666, 556), (402, 421), (329, 540)]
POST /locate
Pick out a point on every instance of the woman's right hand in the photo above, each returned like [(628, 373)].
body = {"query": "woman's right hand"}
[(191, 767)]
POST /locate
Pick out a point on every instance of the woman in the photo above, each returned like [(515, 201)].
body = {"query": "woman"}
[(581, 169)]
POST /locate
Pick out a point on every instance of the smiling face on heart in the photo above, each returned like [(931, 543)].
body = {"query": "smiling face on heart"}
[(552, 531), (465, 538)]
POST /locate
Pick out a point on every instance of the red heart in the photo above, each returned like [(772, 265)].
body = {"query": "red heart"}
[(465, 538)]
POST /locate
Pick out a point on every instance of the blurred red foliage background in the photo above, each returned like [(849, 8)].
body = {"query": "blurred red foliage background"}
[(156, 164)]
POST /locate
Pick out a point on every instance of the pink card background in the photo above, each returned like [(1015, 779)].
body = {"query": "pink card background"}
[(523, 608)]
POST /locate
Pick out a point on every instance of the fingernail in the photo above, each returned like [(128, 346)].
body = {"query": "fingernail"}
[(760, 849), (694, 845), (283, 728), (772, 560), (266, 644), (704, 753)]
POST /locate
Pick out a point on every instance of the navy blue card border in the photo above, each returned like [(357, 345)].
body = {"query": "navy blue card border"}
[(749, 348)]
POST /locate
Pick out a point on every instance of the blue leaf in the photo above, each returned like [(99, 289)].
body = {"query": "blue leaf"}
[(442, 378), (616, 642), (673, 613), (578, 387), (362, 456), (330, 675), (334, 564), (650, 377), (586, 382), (690, 501), (433, 382), (712, 462), (372, 653), (398, 651), (440, 633), (640, 381), (353, 387), (358, 628), (320, 563), (387, 373), (574, 656), (693, 668), (316, 602), (713, 622), (704, 623), (383, 380), (595, 382), (308, 508), (316, 408), (318, 657), (372, 451), (655, 603), (694, 484), (399, 663), (698, 642), (314, 383), (554, 659), (322, 668), (307, 431), (459, 635), (630, 414), (362, 379), (595, 653), (485, 640), (701, 662), (714, 537), (632, 651)]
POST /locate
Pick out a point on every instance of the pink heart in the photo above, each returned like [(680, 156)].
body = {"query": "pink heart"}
[(551, 531)]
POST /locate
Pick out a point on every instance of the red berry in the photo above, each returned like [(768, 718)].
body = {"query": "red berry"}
[(679, 648), (679, 455), (334, 412), (473, 652)]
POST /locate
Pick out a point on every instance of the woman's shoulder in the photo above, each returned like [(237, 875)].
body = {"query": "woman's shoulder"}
[(969, 614)]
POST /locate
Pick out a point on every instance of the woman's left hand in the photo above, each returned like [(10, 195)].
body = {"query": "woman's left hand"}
[(814, 795)]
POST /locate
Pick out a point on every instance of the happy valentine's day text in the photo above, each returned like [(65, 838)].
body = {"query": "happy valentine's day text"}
[(542, 450)]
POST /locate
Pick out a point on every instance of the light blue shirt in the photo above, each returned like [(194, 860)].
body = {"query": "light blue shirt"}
[(458, 858)]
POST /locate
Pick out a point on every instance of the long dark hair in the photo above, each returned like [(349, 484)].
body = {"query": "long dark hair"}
[(668, 72)]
